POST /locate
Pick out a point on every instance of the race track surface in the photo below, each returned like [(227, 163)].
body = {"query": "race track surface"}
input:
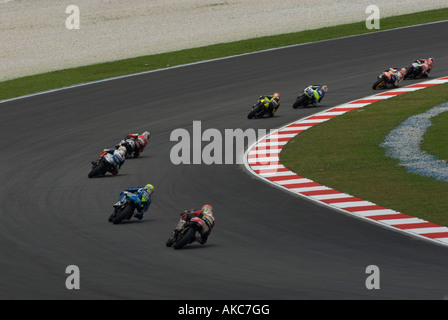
[(267, 244)]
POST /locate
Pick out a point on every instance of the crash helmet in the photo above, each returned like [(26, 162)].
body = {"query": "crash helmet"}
[(150, 188), (146, 134), (324, 88), (130, 144), (430, 62), (276, 95), (207, 209), (122, 148)]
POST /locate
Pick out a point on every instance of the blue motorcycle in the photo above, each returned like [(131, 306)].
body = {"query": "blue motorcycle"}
[(124, 208)]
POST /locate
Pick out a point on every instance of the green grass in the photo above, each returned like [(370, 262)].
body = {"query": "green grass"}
[(435, 140), (37, 83), (345, 154)]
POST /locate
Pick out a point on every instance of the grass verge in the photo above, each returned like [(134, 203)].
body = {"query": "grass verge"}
[(42, 82), (345, 154)]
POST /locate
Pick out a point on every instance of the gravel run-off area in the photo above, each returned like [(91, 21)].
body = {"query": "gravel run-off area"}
[(403, 144)]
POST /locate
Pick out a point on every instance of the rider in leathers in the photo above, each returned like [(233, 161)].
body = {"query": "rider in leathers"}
[(145, 196), (206, 214), (271, 102), (135, 143)]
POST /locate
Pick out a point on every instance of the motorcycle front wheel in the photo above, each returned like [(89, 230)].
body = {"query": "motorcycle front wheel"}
[(380, 84)]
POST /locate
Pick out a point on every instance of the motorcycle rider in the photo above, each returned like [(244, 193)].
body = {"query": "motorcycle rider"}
[(145, 196), (205, 213), (118, 157), (395, 76), (135, 143), (422, 67), (271, 102), (319, 92)]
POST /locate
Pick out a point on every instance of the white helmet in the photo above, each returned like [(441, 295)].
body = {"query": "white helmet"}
[(146, 134)]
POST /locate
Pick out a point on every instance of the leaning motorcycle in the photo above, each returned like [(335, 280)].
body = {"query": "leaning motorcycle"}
[(306, 98), (384, 81), (186, 234), (104, 164), (259, 110), (124, 208)]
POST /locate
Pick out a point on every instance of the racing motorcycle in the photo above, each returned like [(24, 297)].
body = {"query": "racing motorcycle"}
[(414, 71), (185, 233), (124, 208), (385, 79), (104, 164), (306, 98), (258, 110)]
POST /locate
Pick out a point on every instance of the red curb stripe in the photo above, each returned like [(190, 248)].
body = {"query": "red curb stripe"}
[(264, 148), (289, 131), (396, 93), (329, 116), (390, 216), (422, 85), (415, 225), (364, 208), (303, 124), (280, 178), (268, 171), (348, 199), (265, 155), (276, 139), (435, 235), (320, 192), (366, 101), (267, 163), (345, 109), (301, 185)]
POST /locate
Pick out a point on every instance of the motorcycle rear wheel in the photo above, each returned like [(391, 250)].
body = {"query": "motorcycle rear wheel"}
[(126, 213), (186, 239), (300, 102), (98, 170), (255, 111)]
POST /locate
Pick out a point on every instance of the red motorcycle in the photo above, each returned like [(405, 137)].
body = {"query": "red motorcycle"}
[(185, 232)]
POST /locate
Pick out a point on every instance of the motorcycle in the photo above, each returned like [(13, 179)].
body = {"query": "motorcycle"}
[(104, 164), (386, 79), (124, 208), (415, 71), (185, 233), (258, 110), (306, 98)]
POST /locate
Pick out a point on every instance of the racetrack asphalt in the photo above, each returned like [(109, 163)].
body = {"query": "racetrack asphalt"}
[(267, 243)]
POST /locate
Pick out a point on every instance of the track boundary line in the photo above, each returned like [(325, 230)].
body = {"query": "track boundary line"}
[(262, 159)]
